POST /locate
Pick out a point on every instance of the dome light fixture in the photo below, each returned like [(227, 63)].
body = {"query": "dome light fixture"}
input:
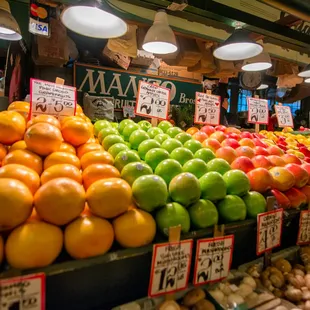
[(9, 29), (262, 86), (238, 46), (307, 80), (258, 63), (305, 73), (160, 38), (91, 21)]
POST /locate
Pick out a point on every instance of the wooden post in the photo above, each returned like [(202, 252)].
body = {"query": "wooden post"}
[(60, 81), (209, 92), (218, 230), (256, 125), (154, 121), (270, 207)]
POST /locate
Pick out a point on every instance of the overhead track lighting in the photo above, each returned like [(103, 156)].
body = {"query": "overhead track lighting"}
[(305, 73), (91, 21), (262, 86), (258, 63), (9, 29), (160, 38)]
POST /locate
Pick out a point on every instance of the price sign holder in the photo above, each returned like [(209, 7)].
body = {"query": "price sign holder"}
[(258, 122), (303, 236), (23, 292), (284, 116)]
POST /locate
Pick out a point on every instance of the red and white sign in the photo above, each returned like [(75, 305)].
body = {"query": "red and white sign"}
[(257, 111), (284, 116), (26, 292), (303, 236), (52, 99), (170, 267), (152, 101), (213, 259), (207, 109), (269, 230)]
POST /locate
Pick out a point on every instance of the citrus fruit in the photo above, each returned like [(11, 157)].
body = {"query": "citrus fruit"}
[(125, 157), (95, 172), (196, 166), (22, 107), (205, 154), (61, 171), (170, 144), (57, 158), (123, 124), (134, 228), (16, 203), (88, 147), (161, 137), (137, 137), (145, 125), (76, 132), (33, 244), (173, 131), (147, 145), (43, 138), (155, 156), (44, 118), (22, 173), (100, 124), (231, 209), (12, 127), (164, 125), (70, 118), (88, 236), (154, 131), (219, 165), (183, 137), (3, 152), (173, 214), (110, 140), (182, 155), (25, 158), (105, 132), (134, 170), (193, 145), (116, 148), (19, 145), (255, 204), (109, 198), (59, 201), (129, 129), (237, 182), (168, 169), (212, 186), (96, 157), (65, 147), (184, 189), (203, 214)]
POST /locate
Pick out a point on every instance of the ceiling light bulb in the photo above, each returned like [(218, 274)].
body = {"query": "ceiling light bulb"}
[(262, 86), (258, 63), (238, 47), (160, 38), (305, 73)]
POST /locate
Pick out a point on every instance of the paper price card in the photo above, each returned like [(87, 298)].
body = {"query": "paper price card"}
[(26, 292), (128, 111), (257, 111), (303, 236), (51, 98), (170, 267), (213, 259), (152, 101), (284, 116), (269, 230), (207, 109)]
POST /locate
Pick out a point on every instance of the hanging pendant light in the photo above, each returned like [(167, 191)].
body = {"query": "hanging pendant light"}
[(262, 86), (305, 73), (91, 21), (9, 29), (160, 38), (238, 46), (307, 80), (258, 63)]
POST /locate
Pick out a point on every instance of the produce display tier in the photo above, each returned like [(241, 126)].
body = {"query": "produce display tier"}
[(122, 276)]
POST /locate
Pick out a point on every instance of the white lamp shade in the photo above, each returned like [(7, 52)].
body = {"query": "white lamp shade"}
[(305, 73), (257, 63), (160, 38), (9, 29), (262, 86), (307, 80), (93, 22)]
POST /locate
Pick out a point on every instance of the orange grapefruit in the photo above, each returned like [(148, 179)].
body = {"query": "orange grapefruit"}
[(66, 147), (61, 171), (19, 145), (12, 127), (96, 157), (88, 147), (3, 152), (57, 158), (76, 132), (44, 118)]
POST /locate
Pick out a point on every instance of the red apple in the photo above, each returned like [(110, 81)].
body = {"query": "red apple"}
[(301, 175), (258, 142), (275, 150), (231, 142), (306, 190), (261, 161), (209, 130), (258, 135), (306, 166), (296, 197), (276, 161), (233, 135), (242, 163), (220, 128), (245, 151), (260, 179), (291, 159), (227, 153), (246, 134), (282, 200), (259, 150), (307, 160), (282, 147)]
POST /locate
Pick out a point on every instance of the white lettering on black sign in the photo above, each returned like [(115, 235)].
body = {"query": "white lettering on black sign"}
[(257, 111), (207, 109)]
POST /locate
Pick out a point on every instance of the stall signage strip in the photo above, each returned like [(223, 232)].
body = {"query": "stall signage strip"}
[(303, 236), (207, 109), (170, 267), (26, 292), (257, 111), (269, 230), (52, 99), (213, 259), (284, 116)]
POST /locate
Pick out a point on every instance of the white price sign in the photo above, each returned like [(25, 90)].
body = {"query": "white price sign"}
[(26, 292), (207, 109), (152, 101), (170, 267), (269, 230), (128, 111), (284, 116), (51, 98), (303, 236), (213, 259), (257, 111)]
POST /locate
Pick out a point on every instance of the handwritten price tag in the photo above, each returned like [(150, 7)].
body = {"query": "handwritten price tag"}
[(269, 230), (257, 111), (152, 101), (303, 236), (128, 111), (213, 259), (284, 116), (207, 109), (27, 292), (170, 267), (51, 98)]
